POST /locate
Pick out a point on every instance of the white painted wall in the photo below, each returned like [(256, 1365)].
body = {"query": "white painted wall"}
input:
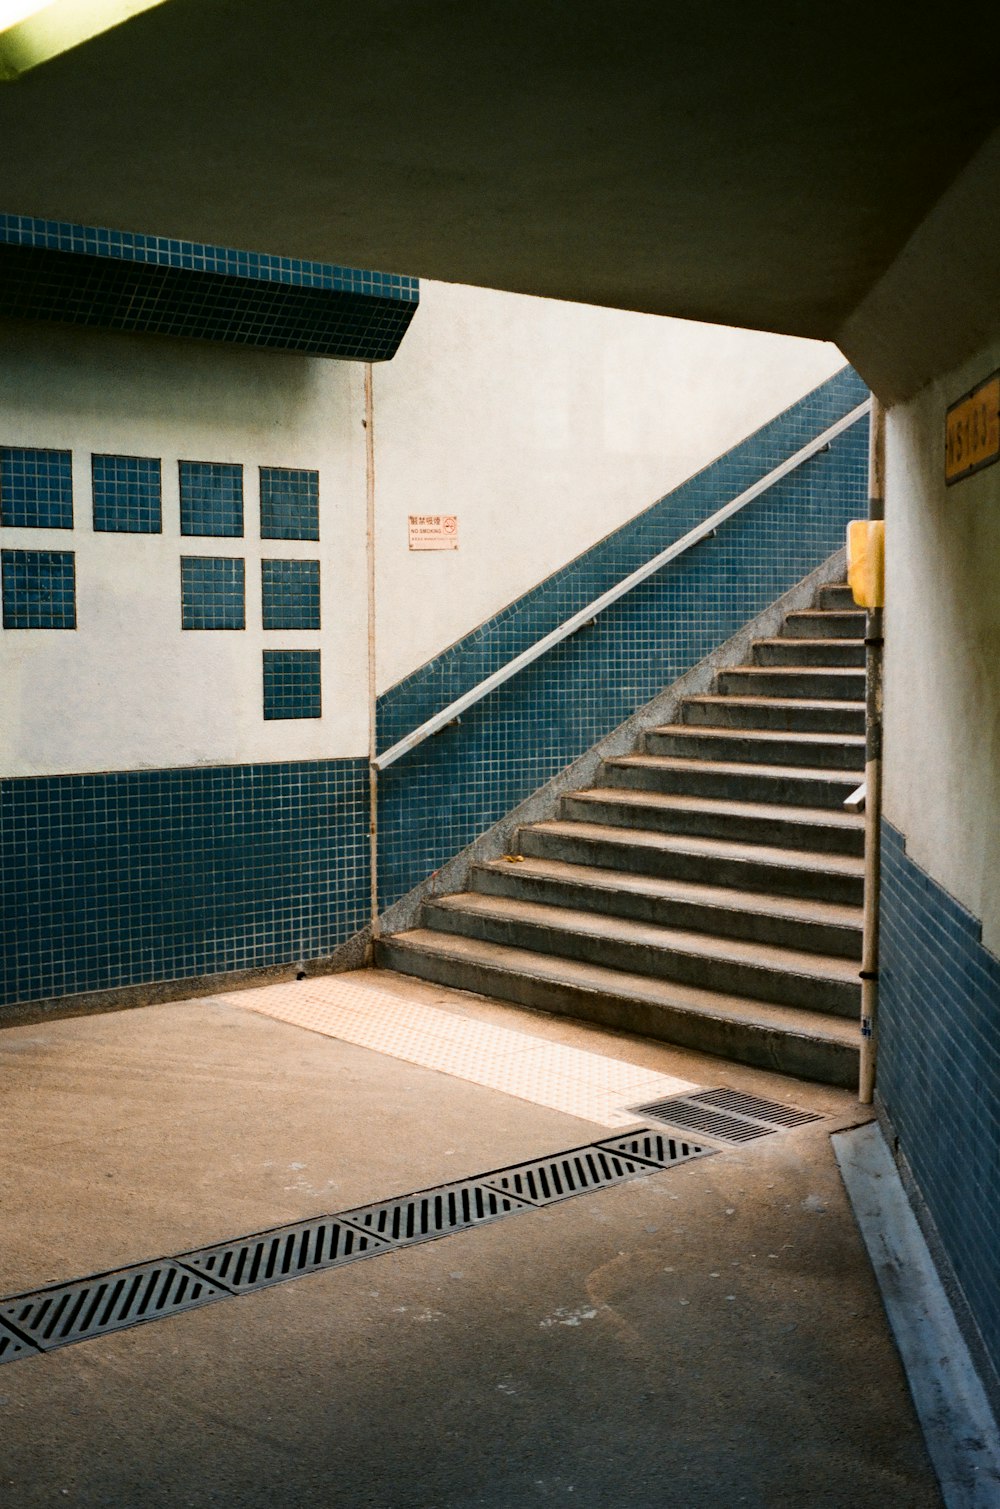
[(129, 688), (544, 426), (942, 689)]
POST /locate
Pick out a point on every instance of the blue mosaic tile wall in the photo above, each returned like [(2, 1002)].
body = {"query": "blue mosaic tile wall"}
[(131, 877), (213, 592), (436, 800), (939, 1067), (290, 594), (127, 494), (118, 280), (36, 488), (39, 589), (289, 503), (292, 684), (211, 498)]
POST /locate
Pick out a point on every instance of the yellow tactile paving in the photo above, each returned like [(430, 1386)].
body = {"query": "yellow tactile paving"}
[(350, 1007)]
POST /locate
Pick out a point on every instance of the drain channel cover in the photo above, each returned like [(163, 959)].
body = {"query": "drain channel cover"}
[(753, 1105), (726, 1115), (657, 1148), (545, 1180), (90, 1307), (287, 1252), (13, 1346), (434, 1212)]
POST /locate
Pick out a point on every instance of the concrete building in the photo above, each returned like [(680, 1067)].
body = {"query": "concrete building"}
[(239, 620)]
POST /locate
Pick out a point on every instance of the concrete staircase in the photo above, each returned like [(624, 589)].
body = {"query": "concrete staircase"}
[(708, 890)]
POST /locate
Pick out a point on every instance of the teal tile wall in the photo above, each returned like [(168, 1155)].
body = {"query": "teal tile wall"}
[(136, 876), (939, 1068), (39, 589), (117, 280), (436, 800)]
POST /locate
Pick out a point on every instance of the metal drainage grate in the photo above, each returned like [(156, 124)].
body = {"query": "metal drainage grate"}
[(545, 1180), (434, 1212), (657, 1148), (756, 1107), (271, 1257), (110, 1302), (65, 1313), (13, 1346), (726, 1115)]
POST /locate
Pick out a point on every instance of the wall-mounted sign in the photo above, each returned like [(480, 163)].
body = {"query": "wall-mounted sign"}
[(433, 531), (972, 431)]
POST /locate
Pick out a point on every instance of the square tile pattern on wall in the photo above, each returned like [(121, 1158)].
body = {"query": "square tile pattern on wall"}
[(211, 498), (39, 589), (36, 488), (292, 684), (289, 503), (290, 594), (127, 494), (213, 592)]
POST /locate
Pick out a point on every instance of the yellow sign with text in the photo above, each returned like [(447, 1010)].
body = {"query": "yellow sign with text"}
[(972, 431)]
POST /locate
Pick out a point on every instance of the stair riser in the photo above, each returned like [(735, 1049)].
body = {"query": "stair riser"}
[(825, 626), (700, 869), (738, 828), (805, 720), (839, 598), (762, 787), (731, 977), (836, 686), (746, 1043), (709, 746), (806, 652), (693, 916)]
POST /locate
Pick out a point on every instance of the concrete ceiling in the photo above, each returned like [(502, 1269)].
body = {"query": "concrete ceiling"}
[(751, 165)]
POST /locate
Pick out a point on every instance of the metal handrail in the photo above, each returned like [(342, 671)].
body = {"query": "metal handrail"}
[(614, 594)]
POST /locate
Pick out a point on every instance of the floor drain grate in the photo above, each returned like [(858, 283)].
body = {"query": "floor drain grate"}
[(756, 1107), (727, 1115), (434, 1212), (64, 1313), (546, 1180), (13, 1346), (110, 1302), (271, 1257), (657, 1148)]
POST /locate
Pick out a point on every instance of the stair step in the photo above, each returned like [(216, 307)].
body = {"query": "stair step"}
[(817, 623), (796, 785), (809, 1045), (786, 977), (811, 828), (817, 652), (787, 922), (836, 878), (798, 714), (840, 683), (837, 597), (759, 746)]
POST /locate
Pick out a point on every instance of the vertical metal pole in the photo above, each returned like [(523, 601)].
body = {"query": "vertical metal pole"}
[(369, 423), (874, 653)]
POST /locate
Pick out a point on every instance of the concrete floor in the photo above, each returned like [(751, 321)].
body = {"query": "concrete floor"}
[(708, 1337)]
